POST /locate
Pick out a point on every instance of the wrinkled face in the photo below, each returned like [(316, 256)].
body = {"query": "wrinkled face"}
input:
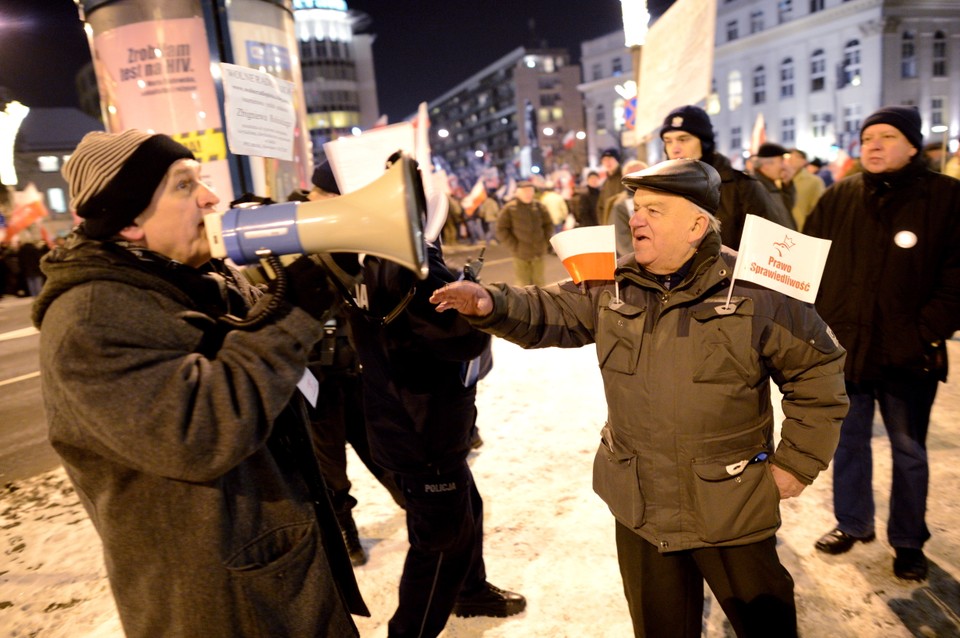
[(173, 223), (525, 194), (772, 167), (884, 149), (682, 145), (666, 230)]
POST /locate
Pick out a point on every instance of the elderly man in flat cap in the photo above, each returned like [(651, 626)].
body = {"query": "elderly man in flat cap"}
[(183, 432), (687, 463), (891, 290)]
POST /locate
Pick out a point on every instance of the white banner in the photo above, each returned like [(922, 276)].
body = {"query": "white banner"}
[(781, 259)]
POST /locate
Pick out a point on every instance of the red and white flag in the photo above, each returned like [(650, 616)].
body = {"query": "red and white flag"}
[(474, 198), (28, 209), (781, 259), (569, 140), (759, 134), (588, 252)]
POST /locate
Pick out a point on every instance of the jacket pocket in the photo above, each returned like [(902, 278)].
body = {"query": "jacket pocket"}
[(725, 346), (734, 498), (616, 481), (619, 337), (285, 571)]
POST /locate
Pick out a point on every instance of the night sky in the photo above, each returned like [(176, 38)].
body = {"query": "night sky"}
[(422, 48)]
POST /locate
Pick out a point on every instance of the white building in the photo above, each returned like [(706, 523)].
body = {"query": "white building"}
[(607, 68), (816, 68)]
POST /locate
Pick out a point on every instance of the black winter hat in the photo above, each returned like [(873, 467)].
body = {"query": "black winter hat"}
[(693, 120), (691, 179), (324, 180), (611, 152), (905, 119), (770, 149)]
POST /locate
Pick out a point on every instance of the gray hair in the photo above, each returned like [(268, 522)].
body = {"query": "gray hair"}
[(712, 220)]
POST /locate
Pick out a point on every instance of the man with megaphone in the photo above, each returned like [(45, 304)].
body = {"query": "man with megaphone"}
[(185, 436)]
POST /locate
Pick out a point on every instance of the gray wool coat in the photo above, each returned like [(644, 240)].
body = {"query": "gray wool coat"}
[(183, 449)]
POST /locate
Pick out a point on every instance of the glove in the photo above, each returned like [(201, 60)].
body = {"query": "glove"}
[(309, 288)]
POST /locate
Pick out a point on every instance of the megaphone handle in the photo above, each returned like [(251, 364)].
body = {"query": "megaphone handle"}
[(267, 311)]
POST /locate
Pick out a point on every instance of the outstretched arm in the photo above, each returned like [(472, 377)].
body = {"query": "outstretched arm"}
[(465, 297)]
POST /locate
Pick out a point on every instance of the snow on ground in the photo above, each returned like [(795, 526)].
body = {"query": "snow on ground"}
[(547, 535)]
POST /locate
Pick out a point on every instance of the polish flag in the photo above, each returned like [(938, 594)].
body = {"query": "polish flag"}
[(474, 198), (28, 209), (759, 134), (569, 140), (589, 252), (781, 259)]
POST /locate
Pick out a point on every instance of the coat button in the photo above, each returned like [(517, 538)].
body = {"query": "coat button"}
[(664, 544)]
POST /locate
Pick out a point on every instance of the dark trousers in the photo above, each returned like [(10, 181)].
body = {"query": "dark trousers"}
[(337, 420), (665, 591), (905, 405), (445, 529)]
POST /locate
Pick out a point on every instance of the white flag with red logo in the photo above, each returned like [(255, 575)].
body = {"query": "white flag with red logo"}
[(781, 259), (588, 252)]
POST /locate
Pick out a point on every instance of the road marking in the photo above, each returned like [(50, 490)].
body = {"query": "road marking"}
[(17, 334), (22, 377)]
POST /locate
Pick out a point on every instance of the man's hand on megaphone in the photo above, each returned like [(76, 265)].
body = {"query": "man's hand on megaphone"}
[(309, 287), (465, 297)]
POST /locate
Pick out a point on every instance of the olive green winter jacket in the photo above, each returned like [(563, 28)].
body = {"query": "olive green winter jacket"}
[(688, 393)]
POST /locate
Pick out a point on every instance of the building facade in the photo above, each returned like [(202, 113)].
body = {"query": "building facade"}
[(339, 82), (608, 83), (816, 68), (521, 115)]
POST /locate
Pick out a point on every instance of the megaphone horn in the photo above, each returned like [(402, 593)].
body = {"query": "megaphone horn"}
[(384, 219)]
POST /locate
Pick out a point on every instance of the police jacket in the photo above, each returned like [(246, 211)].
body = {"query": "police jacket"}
[(418, 409), (184, 440), (681, 460), (891, 285)]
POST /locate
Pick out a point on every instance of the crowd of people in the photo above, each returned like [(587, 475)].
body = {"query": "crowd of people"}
[(225, 405), (20, 274)]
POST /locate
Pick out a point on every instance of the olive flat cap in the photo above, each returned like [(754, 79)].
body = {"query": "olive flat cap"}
[(691, 179)]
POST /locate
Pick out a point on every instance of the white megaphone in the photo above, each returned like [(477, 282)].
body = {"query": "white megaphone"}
[(384, 219)]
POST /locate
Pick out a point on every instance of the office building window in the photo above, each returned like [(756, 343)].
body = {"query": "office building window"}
[(908, 55), (784, 11), (850, 75), (939, 55), (759, 85), (851, 120), (732, 33), (818, 70), (818, 124), (788, 130), (816, 5), (734, 90), (736, 139), (617, 66), (48, 163), (597, 71), (936, 110), (786, 78), (756, 21)]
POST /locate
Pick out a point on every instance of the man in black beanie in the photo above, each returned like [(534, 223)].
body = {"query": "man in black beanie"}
[(687, 133), (183, 432), (890, 293)]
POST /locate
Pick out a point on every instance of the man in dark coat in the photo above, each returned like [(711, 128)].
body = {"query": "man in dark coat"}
[(420, 410), (688, 133), (768, 168), (183, 430), (891, 292)]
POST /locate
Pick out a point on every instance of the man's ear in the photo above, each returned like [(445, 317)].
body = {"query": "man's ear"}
[(132, 232), (699, 228)]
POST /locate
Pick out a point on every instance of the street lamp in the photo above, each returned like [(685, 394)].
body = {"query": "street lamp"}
[(636, 18), (941, 128)]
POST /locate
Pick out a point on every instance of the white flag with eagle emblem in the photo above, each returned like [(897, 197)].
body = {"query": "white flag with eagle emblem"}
[(781, 259)]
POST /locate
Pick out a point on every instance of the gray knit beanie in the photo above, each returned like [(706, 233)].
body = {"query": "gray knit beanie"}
[(113, 176)]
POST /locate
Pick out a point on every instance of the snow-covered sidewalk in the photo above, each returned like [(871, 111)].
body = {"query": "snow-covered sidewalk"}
[(547, 535)]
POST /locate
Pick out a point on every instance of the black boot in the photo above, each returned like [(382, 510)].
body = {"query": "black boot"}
[(351, 538)]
